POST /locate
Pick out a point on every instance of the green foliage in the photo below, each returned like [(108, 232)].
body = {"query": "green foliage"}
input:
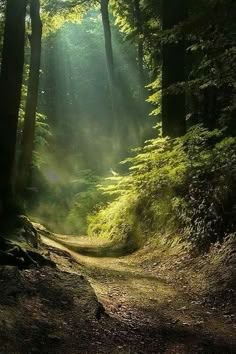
[(209, 35), (209, 213), (42, 128), (55, 14), (140, 28), (155, 97), (88, 199), (42, 136), (117, 221), (182, 185), (65, 205)]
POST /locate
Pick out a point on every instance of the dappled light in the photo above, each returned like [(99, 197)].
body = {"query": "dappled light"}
[(117, 176), (76, 97)]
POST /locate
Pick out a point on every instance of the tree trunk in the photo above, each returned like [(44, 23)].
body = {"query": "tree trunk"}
[(27, 144), (114, 92), (108, 41), (210, 108), (140, 51), (173, 71), (10, 95)]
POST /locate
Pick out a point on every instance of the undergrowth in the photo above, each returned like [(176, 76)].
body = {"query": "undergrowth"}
[(185, 186)]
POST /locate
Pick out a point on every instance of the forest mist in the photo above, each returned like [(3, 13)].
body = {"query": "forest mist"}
[(86, 136), (117, 169)]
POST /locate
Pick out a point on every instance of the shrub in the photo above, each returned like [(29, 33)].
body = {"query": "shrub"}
[(183, 185)]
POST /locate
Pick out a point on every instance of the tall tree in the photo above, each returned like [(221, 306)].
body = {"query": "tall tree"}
[(173, 71), (108, 40), (10, 95), (114, 92), (140, 54), (27, 145)]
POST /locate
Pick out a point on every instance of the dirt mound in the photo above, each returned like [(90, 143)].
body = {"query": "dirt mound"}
[(42, 310)]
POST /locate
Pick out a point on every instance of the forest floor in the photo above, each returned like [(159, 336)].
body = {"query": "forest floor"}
[(95, 304)]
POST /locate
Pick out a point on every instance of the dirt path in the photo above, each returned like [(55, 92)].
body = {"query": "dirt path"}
[(147, 307)]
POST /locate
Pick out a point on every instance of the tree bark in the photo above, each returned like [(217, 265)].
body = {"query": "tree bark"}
[(27, 144), (108, 41), (210, 108), (10, 96), (173, 71), (114, 92), (140, 51)]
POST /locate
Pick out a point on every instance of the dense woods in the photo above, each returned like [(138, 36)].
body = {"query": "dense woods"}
[(117, 121), (180, 58)]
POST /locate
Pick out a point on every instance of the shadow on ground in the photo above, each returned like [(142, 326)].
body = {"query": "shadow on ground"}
[(107, 249)]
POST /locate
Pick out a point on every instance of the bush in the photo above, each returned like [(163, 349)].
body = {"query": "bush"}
[(183, 185), (116, 221)]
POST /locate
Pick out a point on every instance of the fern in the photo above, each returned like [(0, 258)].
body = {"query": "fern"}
[(175, 185)]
